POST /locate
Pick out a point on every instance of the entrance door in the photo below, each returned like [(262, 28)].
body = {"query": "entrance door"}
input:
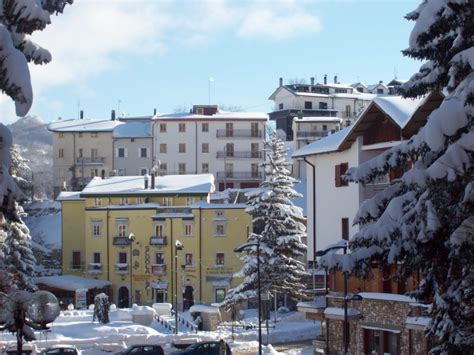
[(188, 297), (160, 296), (123, 297)]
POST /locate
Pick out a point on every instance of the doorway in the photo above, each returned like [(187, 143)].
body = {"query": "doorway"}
[(188, 297), (123, 297)]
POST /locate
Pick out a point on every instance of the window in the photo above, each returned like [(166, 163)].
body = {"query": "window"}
[(182, 168), (323, 106), (205, 127), (61, 153), (229, 150), (167, 201), (189, 200), (341, 91), (182, 127), (122, 257), (80, 134), (308, 105), (163, 167), (182, 148), (96, 258), (220, 259), (162, 127), (188, 259), (97, 201), (124, 200), (96, 228), (143, 152), (139, 200), (95, 153), (340, 170), (122, 230), (254, 170), (76, 260), (94, 135), (325, 127), (348, 110), (379, 91), (254, 150), (219, 229), (345, 228), (205, 147), (220, 294), (94, 172), (132, 140), (188, 230), (280, 106), (229, 170), (61, 134), (160, 230), (205, 167), (143, 171), (360, 89), (81, 153), (121, 153), (163, 148), (254, 129), (229, 129), (160, 258)]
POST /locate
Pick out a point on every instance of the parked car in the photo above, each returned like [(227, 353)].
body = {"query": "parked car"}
[(144, 349), (206, 348), (61, 350)]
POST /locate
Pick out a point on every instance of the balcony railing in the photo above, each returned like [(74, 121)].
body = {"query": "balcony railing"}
[(90, 160), (311, 134), (76, 267), (239, 133), (158, 240), (158, 269), (94, 268), (239, 175), (121, 241), (239, 155), (121, 268)]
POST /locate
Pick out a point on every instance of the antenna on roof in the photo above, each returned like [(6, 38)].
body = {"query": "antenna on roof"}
[(78, 108), (395, 72), (210, 80), (118, 105)]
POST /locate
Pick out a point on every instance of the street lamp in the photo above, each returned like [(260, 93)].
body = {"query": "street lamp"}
[(355, 297), (259, 297), (131, 239), (314, 216), (177, 246)]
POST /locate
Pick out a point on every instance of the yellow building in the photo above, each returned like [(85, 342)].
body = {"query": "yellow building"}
[(124, 230)]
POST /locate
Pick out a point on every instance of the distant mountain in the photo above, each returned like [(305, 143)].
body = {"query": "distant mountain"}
[(35, 143)]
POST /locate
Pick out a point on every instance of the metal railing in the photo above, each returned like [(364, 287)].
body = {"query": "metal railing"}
[(158, 240), (94, 268), (121, 268), (158, 269), (248, 175), (239, 155), (239, 133), (90, 160), (311, 134), (120, 241)]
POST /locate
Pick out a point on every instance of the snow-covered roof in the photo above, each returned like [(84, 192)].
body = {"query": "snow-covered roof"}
[(204, 309), (133, 130), (324, 145), (69, 196), (318, 119), (398, 108), (386, 297), (71, 282), (206, 205), (83, 125), (373, 86), (421, 321), (135, 185), (355, 95), (220, 115)]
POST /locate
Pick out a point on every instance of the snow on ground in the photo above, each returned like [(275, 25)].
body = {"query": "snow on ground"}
[(76, 327), (44, 222)]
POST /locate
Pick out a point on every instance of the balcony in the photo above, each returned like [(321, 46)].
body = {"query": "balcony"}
[(294, 112), (121, 241), (158, 240), (239, 175), (239, 133), (76, 266), (158, 269), (121, 268), (239, 155), (90, 160), (311, 134), (94, 268)]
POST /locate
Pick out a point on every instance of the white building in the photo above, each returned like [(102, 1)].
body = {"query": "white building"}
[(206, 140), (383, 124)]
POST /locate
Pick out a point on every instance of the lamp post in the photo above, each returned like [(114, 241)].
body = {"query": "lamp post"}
[(314, 216), (259, 297), (131, 239), (178, 246)]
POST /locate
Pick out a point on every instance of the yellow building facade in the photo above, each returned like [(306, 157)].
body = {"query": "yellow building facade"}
[(125, 230)]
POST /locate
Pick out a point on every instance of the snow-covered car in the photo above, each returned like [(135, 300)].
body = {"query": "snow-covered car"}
[(205, 348), (61, 350), (144, 349)]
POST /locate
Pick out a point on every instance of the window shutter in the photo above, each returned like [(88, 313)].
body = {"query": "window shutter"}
[(345, 228), (125, 152), (338, 175), (116, 152), (147, 152), (343, 170), (138, 152)]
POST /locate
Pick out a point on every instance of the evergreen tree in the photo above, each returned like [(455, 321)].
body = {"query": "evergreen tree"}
[(424, 221), (20, 171), (283, 226), (101, 308), (18, 20)]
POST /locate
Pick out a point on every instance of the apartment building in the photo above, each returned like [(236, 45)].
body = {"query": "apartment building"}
[(82, 149), (384, 320), (124, 230), (229, 145)]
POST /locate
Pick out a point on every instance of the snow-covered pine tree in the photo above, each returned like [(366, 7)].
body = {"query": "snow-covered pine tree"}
[(20, 171), (282, 227), (18, 20), (101, 308), (424, 222)]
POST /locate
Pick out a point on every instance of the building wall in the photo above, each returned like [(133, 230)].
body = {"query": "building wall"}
[(72, 235), (132, 163)]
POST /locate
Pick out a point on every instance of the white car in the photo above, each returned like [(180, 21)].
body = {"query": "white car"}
[(61, 350)]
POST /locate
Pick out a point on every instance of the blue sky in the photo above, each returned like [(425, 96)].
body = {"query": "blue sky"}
[(137, 55)]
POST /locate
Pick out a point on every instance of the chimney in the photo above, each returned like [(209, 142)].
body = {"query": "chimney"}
[(335, 79), (312, 80), (81, 114), (145, 177), (325, 79), (281, 81), (154, 112), (381, 82), (153, 181), (112, 115)]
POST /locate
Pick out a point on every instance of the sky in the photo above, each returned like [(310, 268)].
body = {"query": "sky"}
[(135, 56)]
